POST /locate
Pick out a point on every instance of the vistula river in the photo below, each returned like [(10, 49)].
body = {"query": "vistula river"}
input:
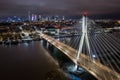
[(28, 61)]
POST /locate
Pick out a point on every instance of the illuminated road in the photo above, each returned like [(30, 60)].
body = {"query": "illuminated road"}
[(97, 69)]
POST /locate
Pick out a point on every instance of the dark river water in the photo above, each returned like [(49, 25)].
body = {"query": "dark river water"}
[(28, 61)]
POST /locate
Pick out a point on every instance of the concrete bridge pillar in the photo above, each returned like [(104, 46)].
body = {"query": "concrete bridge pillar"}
[(44, 43), (50, 47)]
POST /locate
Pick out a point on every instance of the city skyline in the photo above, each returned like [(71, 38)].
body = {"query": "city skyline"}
[(70, 8)]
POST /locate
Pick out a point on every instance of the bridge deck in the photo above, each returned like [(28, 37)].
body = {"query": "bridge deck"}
[(98, 70)]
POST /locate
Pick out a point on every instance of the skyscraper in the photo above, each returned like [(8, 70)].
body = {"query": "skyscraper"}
[(29, 17)]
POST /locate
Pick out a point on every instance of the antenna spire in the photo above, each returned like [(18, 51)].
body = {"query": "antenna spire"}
[(84, 13)]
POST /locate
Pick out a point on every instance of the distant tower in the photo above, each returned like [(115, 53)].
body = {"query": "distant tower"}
[(29, 17), (32, 18), (35, 17), (40, 17), (46, 18), (63, 18)]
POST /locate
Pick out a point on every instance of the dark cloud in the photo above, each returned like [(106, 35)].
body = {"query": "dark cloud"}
[(60, 7)]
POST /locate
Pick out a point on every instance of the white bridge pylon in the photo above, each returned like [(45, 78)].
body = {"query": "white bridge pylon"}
[(84, 37)]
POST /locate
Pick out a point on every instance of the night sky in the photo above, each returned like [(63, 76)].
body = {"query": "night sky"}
[(95, 8)]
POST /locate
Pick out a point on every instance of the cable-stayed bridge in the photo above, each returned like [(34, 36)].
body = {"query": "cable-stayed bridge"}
[(90, 47)]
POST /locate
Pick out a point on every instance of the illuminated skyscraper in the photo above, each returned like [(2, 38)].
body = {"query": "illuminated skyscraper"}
[(40, 17), (35, 17), (63, 18), (32, 18)]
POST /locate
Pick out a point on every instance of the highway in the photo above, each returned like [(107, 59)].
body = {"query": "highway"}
[(94, 67), (105, 48)]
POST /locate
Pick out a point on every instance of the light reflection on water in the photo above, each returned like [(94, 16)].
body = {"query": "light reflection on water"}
[(73, 77), (72, 68), (26, 60), (26, 44)]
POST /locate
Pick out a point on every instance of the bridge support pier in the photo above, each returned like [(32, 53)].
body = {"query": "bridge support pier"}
[(44, 43), (50, 47)]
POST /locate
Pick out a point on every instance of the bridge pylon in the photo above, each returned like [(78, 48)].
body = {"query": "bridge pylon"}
[(84, 37)]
